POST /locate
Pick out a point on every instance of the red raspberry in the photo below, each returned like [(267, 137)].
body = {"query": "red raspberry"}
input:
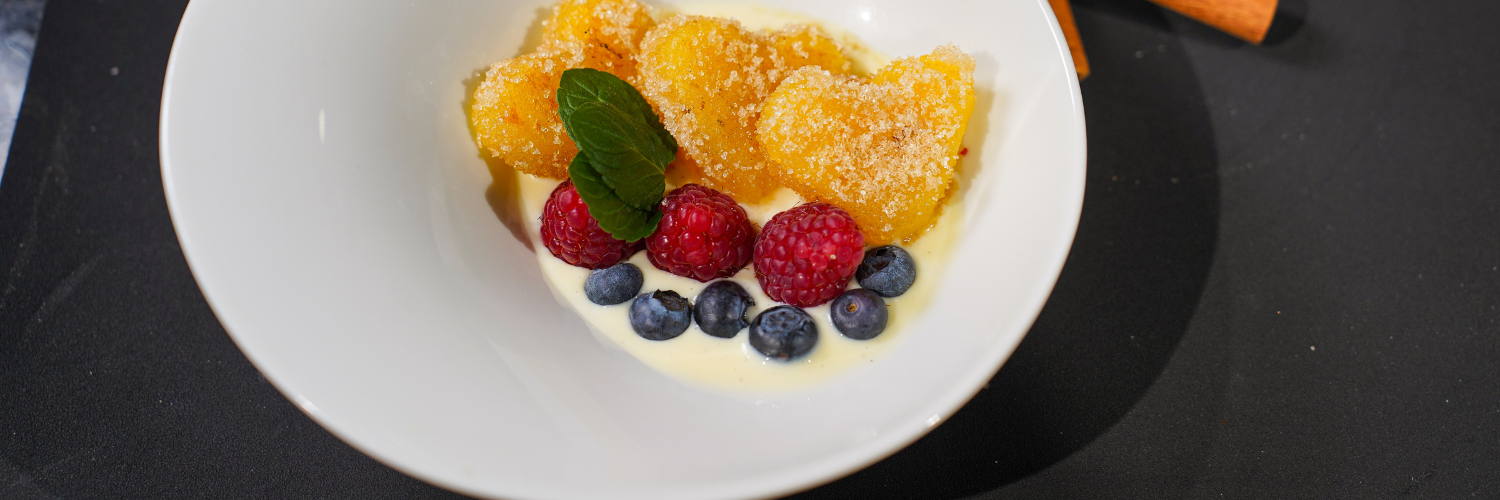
[(574, 236), (703, 235), (805, 256)]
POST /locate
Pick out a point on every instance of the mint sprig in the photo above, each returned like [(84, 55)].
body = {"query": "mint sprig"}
[(623, 151), (629, 223)]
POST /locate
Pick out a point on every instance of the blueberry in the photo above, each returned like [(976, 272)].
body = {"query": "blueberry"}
[(783, 332), (859, 314), (720, 308), (613, 285), (887, 270), (660, 315)]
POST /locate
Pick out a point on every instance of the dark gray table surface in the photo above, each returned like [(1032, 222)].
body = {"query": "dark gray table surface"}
[(1285, 282)]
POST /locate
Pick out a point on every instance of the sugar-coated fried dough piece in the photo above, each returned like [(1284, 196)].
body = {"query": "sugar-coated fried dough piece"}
[(883, 148), (801, 45), (514, 113), (708, 76), (607, 32)]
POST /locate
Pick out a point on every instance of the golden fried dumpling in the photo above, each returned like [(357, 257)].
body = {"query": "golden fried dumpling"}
[(606, 32), (708, 77), (798, 45), (884, 148), (514, 112)]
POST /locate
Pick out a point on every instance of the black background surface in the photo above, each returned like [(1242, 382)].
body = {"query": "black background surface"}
[(1285, 282)]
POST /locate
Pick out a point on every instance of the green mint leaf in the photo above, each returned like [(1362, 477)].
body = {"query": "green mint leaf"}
[(631, 158), (584, 85), (620, 219), (623, 151)]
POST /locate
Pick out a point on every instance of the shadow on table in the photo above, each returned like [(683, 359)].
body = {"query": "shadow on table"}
[(1126, 294)]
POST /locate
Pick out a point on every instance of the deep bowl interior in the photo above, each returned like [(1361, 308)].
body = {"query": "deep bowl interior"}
[(334, 212)]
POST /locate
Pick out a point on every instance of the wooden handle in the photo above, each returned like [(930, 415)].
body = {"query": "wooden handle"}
[(1064, 14), (1246, 19)]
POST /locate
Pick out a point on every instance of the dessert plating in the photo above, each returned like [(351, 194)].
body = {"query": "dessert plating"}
[(623, 106)]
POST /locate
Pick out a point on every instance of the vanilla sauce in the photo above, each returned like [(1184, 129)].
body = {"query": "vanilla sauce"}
[(699, 359)]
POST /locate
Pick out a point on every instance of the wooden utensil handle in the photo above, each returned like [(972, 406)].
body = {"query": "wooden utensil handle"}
[(1245, 19), (1064, 13)]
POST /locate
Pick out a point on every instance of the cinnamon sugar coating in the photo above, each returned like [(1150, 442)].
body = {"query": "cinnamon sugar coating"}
[(514, 113), (607, 33), (708, 77), (883, 148)]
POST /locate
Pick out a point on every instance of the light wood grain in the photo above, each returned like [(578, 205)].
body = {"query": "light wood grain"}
[(1246, 19), (1064, 13)]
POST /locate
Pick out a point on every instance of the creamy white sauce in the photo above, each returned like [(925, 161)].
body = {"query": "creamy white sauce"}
[(732, 364)]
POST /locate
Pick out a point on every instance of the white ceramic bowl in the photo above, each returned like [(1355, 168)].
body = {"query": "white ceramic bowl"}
[(332, 207)]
